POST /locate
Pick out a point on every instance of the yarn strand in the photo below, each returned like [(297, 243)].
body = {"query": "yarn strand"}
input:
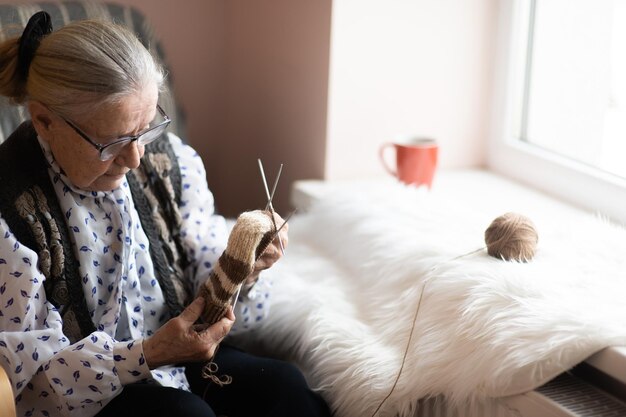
[(408, 343), (209, 371), (406, 351)]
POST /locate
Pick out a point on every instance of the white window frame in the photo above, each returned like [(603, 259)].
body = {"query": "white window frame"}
[(561, 177)]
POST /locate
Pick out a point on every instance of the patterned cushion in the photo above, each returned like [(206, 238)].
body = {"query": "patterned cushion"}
[(13, 18)]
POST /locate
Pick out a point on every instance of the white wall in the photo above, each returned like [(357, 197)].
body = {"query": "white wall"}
[(408, 67)]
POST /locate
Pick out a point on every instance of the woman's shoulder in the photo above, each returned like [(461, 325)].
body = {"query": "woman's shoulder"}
[(19, 140), (22, 163)]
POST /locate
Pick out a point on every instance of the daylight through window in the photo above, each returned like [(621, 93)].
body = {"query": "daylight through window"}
[(574, 99)]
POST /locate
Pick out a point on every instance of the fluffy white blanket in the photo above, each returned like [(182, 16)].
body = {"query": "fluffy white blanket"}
[(357, 263)]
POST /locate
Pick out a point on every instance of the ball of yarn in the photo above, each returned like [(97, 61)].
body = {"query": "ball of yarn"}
[(512, 237)]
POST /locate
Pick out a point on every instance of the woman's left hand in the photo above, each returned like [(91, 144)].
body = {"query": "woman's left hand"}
[(273, 252)]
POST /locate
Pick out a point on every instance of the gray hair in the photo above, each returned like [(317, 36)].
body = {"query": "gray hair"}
[(81, 67)]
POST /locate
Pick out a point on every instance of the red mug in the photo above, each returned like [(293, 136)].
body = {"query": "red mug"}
[(416, 160)]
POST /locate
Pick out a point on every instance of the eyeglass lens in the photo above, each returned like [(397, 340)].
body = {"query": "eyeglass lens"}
[(150, 136)]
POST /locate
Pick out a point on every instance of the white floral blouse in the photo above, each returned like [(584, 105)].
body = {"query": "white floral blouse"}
[(51, 377)]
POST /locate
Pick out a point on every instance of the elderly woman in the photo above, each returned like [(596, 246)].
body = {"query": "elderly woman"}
[(107, 231)]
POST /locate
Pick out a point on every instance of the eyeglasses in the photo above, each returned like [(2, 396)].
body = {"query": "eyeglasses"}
[(111, 150)]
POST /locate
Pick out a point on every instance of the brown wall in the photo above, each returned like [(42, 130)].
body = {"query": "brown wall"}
[(274, 102), (252, 79)]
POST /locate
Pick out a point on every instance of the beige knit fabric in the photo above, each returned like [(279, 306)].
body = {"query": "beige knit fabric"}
[(251, 235)]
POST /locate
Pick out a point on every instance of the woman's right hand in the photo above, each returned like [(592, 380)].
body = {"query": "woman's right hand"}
[(180, 340)]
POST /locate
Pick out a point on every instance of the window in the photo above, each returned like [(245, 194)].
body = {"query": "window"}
[(560, 119), (575, 87)]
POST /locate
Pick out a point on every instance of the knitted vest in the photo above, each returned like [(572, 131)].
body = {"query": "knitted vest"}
[(30, 207)]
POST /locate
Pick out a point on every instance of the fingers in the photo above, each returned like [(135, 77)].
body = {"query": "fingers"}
[(230, 314), (278, 219), (284, 228), (273, 252), (214, 334), (279, 222), (179, 340), (283, 236), (193, 311), (228, 320), (269, 257)]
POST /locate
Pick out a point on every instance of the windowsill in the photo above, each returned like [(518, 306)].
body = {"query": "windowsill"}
[(488, 191), (494, 191)]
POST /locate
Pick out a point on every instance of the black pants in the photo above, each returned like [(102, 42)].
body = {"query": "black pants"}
[(260, 387)]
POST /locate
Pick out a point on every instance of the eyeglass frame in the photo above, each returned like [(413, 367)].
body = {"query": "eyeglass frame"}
[(100, 147)]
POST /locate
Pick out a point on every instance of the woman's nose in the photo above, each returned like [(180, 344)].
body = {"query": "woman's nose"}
[(130, 156)]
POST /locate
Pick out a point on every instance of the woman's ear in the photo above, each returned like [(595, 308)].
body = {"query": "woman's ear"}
[(42, 119)]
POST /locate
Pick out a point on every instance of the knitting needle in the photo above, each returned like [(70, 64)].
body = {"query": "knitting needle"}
[(269, 202), (236, 296), (267, 190), (285, 220), (280, 170)]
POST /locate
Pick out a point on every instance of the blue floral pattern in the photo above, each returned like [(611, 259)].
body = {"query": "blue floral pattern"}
[(52, 377)]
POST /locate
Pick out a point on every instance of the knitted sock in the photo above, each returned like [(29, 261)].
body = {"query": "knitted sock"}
[(251, 235)]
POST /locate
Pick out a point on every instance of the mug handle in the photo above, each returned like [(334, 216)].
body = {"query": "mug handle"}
[(381, 155)]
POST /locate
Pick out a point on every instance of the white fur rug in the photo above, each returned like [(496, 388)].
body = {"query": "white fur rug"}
[(347, 290)]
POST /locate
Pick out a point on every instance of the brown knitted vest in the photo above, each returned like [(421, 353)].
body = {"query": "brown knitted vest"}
[(30, 207)]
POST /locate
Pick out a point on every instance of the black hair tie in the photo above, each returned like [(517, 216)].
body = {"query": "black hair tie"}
[(38, 26)]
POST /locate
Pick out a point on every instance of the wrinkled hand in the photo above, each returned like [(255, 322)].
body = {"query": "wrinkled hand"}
[(180, 340), (273, 252)]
